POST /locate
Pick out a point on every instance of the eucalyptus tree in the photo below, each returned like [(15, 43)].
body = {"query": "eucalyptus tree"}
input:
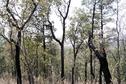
[(99, 7), (63, 9), (77, 34), (18, 21), (118, 42)]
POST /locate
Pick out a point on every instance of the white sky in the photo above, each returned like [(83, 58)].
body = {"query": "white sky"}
[(77, 3), (57, 22)]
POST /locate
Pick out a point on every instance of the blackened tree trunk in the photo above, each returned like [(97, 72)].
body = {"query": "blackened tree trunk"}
[(17, 58), (14, 22), (100, 75), (73, 68), (103, 62), (61, 43), (91, 59), (62, 61), (101, 38), (73, 75), (86, 72)]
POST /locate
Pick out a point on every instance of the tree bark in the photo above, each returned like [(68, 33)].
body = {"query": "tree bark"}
[(102, 60), (101, 38), (73, 68), (62, 62), (118, 44), (44, 47), (85, 72), (103, 65), (17, 58), (91, 59), (73, 75), (30, 77)]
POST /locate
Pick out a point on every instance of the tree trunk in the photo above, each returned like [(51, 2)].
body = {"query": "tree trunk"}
[(73, 69), (62, 63), (104, 66), (91, 64), (17, 58), (103, 61), (101, 38), (100, 75), (12, 58), (44, 47), (73, 75), (85, 72), (91, 67), (118, 44), (30, 77)]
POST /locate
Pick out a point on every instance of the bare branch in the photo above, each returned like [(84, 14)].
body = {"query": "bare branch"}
[(5, 38), (9, 11), (60, 12), (35, 6), (53, 35), (78, 47), (68, 7)]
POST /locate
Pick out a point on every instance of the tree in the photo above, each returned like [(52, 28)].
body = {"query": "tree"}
[(102, 59), (14, 22), (76, 42), (61, 43), (77, 34)]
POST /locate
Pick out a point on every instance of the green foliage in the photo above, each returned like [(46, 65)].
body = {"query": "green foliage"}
[(2, 61), (47, 61)]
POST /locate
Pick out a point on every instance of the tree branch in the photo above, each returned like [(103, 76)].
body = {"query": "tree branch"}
[(9, 11), (53, 35), (5, 38), (77, 49), (35, 6), (60, 13), (68, 7)]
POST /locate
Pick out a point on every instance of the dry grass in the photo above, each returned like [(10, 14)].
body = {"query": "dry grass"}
[(9, 80)]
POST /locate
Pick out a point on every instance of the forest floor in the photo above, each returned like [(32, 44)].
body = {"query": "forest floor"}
[(8, 80)]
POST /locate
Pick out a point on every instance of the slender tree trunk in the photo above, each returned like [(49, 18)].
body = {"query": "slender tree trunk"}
[(62, 62), (12, 57), (91, 64), (73, 68), (94, 71), (73, 75), (101, 38), (44, 47), (85, 72), (100, 75), (17, 58), (118, 45), (118, 65), (30, 77)]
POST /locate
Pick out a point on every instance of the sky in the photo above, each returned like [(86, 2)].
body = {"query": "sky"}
[(57, 22), (77, 4)]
